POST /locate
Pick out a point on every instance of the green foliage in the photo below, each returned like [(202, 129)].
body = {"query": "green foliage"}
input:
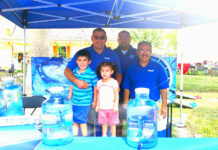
[(18, 71), (161, 39), (171, 37), (154, 36), (194, 83), (61, 51)]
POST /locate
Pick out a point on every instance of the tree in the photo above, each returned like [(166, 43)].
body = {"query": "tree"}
[(154, 36), (164, 40), (172, 40)]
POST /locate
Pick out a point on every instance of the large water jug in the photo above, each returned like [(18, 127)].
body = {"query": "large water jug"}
[(142, 115), (11, 103), (57, 117)]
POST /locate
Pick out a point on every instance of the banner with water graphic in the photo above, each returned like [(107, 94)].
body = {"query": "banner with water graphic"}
[(49, 72)]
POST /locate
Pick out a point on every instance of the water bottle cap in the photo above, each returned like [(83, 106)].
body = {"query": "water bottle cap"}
[(142, 90), (56, 89)]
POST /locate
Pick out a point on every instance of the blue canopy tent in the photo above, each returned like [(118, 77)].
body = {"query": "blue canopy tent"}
[(44, 14), (107, 13)]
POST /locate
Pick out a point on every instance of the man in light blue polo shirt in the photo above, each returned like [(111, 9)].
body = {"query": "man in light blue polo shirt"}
[(99, 53), (148, 74)]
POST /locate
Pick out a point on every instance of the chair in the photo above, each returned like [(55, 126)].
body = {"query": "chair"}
[(32, 102)]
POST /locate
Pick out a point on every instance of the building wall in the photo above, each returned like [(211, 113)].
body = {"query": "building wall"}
[(40, 41)]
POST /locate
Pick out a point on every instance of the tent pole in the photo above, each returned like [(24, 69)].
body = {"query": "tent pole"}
[(181, 89), (180, 123), (24, 63)]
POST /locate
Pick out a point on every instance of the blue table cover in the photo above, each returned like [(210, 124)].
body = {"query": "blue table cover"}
[(21, 137), (119, 143), (29, 138)]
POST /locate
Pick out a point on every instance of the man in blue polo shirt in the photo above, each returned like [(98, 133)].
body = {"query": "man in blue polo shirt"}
[(127, 55), (99, 53), (148, 74)]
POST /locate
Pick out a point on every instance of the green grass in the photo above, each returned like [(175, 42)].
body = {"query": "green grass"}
[(203, 120), (207, 125), (193, 83)]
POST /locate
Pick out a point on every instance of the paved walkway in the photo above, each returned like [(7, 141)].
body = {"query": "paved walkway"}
[(180, 131)]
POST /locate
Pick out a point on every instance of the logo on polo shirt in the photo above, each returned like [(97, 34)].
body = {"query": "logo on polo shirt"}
[(107, 58), (131, 56), (150, 70)]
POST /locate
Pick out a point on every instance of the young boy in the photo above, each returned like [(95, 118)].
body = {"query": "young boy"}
[(82, 98)]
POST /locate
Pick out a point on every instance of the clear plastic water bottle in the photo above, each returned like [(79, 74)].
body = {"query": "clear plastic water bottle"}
[(57, 119), (142, 115), (11, 103)]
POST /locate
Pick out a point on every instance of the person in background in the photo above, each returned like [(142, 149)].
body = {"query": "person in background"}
[(147, 74), (12, 68), (107, 98), (127, 55), (99, 53), (82, 98)]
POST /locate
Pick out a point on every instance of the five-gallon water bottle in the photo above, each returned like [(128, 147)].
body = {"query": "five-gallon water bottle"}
[(142, 115), (57, 118), (11, 103)]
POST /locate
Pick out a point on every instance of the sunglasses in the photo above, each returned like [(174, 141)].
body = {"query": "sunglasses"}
[(99, 37)]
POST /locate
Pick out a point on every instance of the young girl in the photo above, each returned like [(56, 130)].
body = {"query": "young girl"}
[(107, 98)]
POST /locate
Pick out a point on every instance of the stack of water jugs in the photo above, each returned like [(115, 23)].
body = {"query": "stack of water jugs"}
[(142, 115), (11, 103)]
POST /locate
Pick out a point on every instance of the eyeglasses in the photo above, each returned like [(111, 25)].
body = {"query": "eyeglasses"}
[(99, 37), (144, 51)]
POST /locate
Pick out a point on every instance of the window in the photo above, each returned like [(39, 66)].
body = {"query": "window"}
[(62, 51)]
